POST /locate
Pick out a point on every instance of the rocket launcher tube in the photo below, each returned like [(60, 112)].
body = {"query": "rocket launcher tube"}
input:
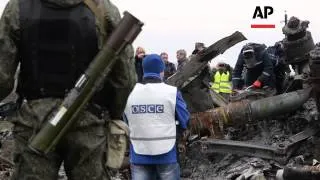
[(125, 33)]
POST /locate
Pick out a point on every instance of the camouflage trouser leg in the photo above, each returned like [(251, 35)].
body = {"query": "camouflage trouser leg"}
[(82, 149), (30, 166), (85, 156)]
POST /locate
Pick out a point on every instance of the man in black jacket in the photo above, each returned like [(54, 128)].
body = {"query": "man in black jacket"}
[(170, 68), (259, 68), (280, 68)]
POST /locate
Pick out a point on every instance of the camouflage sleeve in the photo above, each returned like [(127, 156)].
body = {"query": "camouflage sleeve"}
[(9, 24), (122, 78)]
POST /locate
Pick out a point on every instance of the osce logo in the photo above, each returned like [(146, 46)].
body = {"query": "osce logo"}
[(147, 108)]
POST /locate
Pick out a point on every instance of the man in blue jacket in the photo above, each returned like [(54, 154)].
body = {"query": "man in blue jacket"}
[(153, 111), (259, 68)]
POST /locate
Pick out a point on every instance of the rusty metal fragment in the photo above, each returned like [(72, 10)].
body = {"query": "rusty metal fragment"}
[(202, 123), (213, 121)]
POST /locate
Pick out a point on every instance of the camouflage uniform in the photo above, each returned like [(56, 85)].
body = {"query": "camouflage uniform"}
[(82, 148)]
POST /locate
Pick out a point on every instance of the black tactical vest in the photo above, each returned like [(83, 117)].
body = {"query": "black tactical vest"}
[(56, 46)]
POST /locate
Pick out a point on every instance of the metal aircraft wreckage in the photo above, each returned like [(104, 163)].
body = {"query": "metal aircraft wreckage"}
[(253, 136), (212, 115)]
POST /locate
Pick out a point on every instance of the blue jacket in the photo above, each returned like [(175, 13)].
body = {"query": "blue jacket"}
[(262, 72), (182, 115)]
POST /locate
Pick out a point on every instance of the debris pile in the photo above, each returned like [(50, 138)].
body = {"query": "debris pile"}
[(267, 132), (6, 147)]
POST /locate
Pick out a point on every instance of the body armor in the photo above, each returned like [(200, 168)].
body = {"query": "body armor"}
[(57, 44)]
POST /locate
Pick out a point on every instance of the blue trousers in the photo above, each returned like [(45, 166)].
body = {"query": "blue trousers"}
[(155, 171)]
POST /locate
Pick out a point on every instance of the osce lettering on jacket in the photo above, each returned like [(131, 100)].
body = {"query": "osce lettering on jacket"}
[(147, 108)]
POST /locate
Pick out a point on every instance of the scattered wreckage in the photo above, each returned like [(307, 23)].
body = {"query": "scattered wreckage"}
[(212, 119), (213, 129)]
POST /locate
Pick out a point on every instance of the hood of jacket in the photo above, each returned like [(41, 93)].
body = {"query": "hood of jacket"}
[(64, 3)]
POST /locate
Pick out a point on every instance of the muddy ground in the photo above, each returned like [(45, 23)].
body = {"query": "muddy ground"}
[(198, 166)]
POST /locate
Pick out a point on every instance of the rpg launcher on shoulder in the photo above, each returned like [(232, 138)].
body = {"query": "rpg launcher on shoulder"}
[(125, 33)]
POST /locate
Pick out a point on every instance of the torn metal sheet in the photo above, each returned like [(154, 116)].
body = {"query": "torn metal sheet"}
[(280, 153)]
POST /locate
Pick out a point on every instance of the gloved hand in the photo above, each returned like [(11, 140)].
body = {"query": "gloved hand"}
[(257, 84)]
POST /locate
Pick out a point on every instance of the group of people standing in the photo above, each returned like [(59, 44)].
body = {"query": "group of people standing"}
[(257, 67), (170, 68)]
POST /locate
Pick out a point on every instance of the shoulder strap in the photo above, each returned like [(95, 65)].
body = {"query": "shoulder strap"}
[(99, 13)]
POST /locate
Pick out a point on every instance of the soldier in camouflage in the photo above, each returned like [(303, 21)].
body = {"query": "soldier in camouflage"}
[(54, 41)]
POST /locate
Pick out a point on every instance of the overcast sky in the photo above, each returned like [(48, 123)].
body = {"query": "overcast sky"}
[(177, 24)]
